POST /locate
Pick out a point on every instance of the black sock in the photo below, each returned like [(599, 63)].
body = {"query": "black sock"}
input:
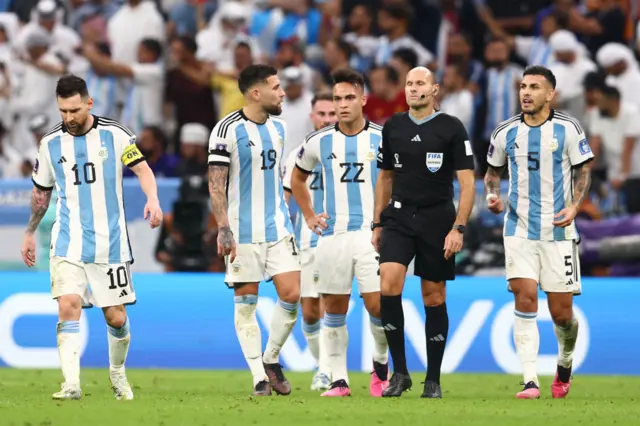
[(436, 329), (564, 374), (393, 324)]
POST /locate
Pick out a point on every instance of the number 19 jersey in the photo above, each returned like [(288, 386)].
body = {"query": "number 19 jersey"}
[(349, 174), (257, 209)]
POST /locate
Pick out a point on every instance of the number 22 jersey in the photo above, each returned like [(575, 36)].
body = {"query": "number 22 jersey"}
[(349, 174)]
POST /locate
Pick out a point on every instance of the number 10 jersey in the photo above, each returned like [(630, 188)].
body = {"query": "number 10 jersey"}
[(257, 209), (349, 174)]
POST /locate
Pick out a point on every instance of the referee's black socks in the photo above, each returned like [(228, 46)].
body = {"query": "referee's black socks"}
[(436, 329), (392, 317)]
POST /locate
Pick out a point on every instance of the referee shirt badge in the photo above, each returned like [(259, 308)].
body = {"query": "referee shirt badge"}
[(434, 161)]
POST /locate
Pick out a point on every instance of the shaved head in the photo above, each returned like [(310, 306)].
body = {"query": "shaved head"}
[(420, 88)]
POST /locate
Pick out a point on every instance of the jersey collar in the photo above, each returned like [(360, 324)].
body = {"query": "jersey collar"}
[(94, 126), (364, 129), (551, 114)]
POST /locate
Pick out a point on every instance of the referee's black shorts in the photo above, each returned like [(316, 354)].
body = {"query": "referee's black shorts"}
[(409, 231)]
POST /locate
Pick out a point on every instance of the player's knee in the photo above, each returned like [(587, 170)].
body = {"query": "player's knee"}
[(433, 294), (69, 307), (310, 313), (561, 315), (391, 279), (116, 316), (290, 295), (526, 302)]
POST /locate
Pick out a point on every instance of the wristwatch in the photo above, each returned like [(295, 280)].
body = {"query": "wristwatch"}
[(375, 225), (460, 228)]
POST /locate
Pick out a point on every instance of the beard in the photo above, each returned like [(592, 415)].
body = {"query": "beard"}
[(75, 127), (273, 109), (536, 109)]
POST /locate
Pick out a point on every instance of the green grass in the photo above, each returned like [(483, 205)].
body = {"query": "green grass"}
[(170, 397)]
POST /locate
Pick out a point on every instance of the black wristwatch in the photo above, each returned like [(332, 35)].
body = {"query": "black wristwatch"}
[(375, 225), (460, 228)]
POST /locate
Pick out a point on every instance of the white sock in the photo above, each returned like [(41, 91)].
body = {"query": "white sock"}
[(527, 342), (567, 337), (119, 340), (337, 339), (312, 334), (68, 337), (323, 356), (380, 347), (284, 318), (249, 335)]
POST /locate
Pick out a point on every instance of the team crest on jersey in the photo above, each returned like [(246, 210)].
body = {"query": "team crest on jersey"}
[(103, 154), (434, 161), (553, 145), (371, 156)]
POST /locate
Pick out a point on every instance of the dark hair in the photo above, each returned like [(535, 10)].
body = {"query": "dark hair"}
[(153, 46), (390, 73), (460, 70), (610, 92), (398, 12), (188, 42), (347, 75), (321, 96), (344, 47), (406, 55), (543, 71), (244, 45), (254, 74), (70, 85), (594, 80)]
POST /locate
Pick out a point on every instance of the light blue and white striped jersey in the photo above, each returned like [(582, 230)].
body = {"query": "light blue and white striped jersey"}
[(502, 95), (535, 50), (86, 170), (349, 172), (103, 93), (304, 237), (257, 209), (540, 161)]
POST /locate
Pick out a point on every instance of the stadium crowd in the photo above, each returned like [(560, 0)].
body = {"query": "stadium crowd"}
[(167, 69)]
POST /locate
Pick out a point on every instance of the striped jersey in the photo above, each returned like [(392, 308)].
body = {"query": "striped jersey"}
[(257, 209), (86, 170), (540, 161), (304, 237), (349, 172), (501, 95)]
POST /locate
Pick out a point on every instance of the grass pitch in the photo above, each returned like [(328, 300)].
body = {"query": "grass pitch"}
[(194, 398)]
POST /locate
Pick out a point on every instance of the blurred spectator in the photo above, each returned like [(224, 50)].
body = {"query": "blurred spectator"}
[(570, 69), (102, 88), (188, 17), (459, 51), (291, 54), (63, 40), (393, 21), (188, 88), (296, 109), (337, 55), (536, 49), (605, 24), (194, 139), (143, 106), (386, 97), (403, 60), (226, 84), (135, 21), (457, 100), (615, 130), (361, 37), (562, 7), (93, 12), (622, 70), (153, 145)]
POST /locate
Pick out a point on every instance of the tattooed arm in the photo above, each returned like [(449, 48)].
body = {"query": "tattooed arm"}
[(218, 190), (39, 204), (581, 183), (492, 180)]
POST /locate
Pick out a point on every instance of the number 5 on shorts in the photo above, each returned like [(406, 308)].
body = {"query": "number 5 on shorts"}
[(568, 262)]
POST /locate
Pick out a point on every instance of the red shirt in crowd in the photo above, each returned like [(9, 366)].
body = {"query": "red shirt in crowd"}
[(378, 110)]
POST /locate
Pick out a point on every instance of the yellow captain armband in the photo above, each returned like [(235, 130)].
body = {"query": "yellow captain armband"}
[(132, 156)]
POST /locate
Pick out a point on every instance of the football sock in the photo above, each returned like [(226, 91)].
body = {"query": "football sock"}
[(380, 347), (337, 339), (436, 329), (119, 340), (249, 336), (393, 324), (323, 357), (527, 342), (284, 318), (68, 337), (312, 334), (567, 336)]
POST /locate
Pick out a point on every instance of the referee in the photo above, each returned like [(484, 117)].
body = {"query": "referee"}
[(415, 217)]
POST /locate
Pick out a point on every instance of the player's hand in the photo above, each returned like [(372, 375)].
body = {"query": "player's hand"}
[(495, 205), (318, 223), (565, 216), (226, 243), (452, 244), (375, 238), (153, 212), (29, 249)]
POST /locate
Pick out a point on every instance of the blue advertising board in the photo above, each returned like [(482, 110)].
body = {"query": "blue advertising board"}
[(186, 321)]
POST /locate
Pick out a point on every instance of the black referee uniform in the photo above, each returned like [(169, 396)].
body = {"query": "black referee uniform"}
[(424, 158)]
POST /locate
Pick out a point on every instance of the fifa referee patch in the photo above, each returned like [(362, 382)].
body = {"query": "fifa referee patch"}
[(584, 147), (131, 156)]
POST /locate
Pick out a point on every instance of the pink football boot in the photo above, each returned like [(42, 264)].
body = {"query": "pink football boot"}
[(559, 389), (530, 391), (377, 385), (338, 388)]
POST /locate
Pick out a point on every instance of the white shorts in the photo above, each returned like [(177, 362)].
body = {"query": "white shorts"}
[(341, 257), (100, 285), (261, 261), (553, 264), (309, 274)]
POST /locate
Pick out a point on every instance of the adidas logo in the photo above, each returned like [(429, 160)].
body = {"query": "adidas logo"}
[(438, 338), (389, 327), (332, 157), (416, 138), (62, 160), (124, 293), (250, 144), (570, 282)]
